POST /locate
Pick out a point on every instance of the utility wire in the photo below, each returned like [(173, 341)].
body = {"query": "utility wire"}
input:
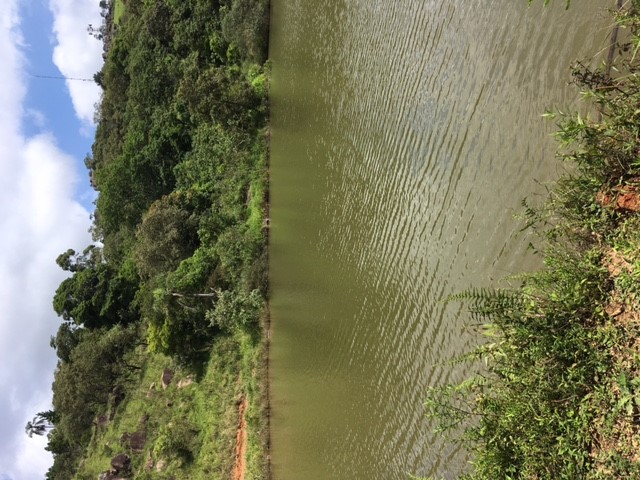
[(51, 77)]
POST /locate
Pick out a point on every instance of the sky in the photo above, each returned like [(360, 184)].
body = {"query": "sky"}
[(46, 129)]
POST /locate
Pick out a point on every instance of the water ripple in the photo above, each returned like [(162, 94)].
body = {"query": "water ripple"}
[(404, 135)]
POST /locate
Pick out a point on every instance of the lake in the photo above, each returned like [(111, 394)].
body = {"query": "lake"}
[(405, 136)]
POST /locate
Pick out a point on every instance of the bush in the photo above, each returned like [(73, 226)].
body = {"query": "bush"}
[(246, 26), (235, 310), (166, 236), (177, 440)]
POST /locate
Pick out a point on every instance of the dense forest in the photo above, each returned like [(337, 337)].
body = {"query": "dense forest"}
[(175, 285)]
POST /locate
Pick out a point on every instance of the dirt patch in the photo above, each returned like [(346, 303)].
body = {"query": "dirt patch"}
[(622, 198), (615, 263), (629, 199), (604, 199), (240, 462)]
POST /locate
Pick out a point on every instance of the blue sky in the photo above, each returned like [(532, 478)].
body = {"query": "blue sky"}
[(46, 130), (48, 96)]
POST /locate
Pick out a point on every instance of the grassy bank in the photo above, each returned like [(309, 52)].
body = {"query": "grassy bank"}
[(175, 284), (190, 428), (560, 395)]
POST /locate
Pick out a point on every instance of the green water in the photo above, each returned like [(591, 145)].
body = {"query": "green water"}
[(404, 136)]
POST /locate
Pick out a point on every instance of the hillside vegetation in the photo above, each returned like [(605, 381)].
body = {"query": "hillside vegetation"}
[(560, 395), (161, 346)]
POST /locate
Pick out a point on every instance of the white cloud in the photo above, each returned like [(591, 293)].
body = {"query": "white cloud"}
[(37, 118), (39, 219), (77, 54)]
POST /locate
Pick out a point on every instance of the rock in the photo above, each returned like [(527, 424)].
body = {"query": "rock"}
[(614, 309), (121, 463), (615, 263), (185, 382), (102, 421), (161, 465), (137, 441), (604, 198), (167, 376), (622, 197)]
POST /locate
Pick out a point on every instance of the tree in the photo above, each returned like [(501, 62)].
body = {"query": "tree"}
[(70, 261), (175, 305), (177, 323), (167, 235), (96, 295), (246, 26), (97, 33), (235, 309), (220, 94), (41, 423), (66, 339), (81, 389), (80, 298)]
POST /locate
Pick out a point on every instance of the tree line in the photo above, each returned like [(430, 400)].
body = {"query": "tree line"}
[(179, 163)]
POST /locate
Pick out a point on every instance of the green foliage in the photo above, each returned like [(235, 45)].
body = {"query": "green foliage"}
[(559, 397), (175, 307), (245, 25), (545, 346), (177, 439), (66, 339), (118, 10), (177, 326), (42, 422), (70, 261), (96, 297), (192, 429), (235, 310), (215, 171), (83, 386), (230, 97), (166, 235), (179, 164)]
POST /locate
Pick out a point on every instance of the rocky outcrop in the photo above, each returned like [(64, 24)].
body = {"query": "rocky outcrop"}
[(134, 441), (120, 464), (167, 376), (161, 465), (185, 382), (120, 467)]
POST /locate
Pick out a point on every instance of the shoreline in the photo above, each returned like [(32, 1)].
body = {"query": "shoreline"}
[(560, 396)]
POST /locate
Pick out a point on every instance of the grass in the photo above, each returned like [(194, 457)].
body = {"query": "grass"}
[(190, 431), (256, 204)]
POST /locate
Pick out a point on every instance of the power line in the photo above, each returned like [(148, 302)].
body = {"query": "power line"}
[(52, 77)]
